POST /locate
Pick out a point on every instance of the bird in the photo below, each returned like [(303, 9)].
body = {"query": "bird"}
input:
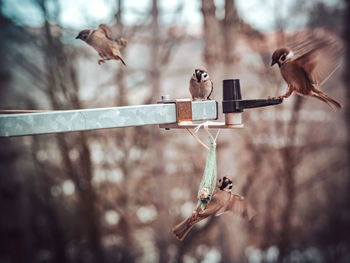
[(308, 65), (222, 201), (201, 85), (101, 40)]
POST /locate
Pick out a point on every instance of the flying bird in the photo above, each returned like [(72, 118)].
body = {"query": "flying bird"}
[(101, 40), (201, 85), (308, 63), (222, 201)]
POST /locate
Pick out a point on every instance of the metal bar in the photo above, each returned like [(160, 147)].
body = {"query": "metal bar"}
[(21, 111), (210, 125), (101, 118)]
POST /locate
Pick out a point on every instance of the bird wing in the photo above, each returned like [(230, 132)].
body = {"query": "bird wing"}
[(318, 52), (240, 207), (106, 30), (121, 41), (212, 87), (108, 33), (217, 204)]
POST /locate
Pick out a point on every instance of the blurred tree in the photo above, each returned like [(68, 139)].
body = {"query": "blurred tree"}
[(231, 25), (327, 16), (63, 89), (121, 98), (212, 34)]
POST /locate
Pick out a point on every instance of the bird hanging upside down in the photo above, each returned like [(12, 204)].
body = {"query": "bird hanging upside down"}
[(101, 40), (308, 65), (222, 201)]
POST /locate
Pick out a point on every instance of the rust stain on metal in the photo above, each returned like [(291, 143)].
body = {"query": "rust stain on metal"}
[(183, 110)]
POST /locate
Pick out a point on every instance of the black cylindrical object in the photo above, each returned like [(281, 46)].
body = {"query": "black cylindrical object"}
[(231, 89), (232, 99), (230, 95)]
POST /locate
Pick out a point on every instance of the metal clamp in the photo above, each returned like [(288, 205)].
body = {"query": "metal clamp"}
[(183, 111), (184, 117), (232, 106)]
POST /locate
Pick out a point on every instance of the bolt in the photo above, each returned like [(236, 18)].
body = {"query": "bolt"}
[(165, 97)]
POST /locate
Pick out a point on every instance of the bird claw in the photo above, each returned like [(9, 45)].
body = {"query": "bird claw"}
[(100, 61)]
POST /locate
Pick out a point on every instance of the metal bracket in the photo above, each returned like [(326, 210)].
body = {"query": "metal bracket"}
[(184, 117), (183, 110)]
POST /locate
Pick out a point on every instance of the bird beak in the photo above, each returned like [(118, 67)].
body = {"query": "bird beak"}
[(273, 63), (77, 37), (198, 76)]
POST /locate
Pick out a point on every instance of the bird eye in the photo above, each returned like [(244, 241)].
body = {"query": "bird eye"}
[(205, 75), (283, 57), (219, 180)]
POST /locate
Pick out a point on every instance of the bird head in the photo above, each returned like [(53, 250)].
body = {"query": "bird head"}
[(204, 193), (200, 75), (281, 55), (84, 34), (225, 184)]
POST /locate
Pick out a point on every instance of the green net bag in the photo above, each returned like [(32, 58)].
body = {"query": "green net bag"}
[(208, 182)]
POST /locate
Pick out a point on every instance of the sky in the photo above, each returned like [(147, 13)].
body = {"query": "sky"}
[(81, 13)]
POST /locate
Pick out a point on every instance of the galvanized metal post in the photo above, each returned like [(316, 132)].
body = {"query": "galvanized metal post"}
[(100, 118)]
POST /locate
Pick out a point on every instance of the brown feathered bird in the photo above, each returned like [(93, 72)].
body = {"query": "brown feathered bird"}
[(222, 201), (201, 85), (308, 63), (101, 40)]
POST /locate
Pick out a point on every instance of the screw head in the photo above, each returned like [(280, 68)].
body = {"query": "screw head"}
[(165, 97)]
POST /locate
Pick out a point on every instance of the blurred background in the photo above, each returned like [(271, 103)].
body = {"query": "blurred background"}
[(114, 195)]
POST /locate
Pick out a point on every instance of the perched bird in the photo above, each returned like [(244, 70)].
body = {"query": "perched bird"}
[(101, 40), (308, 65), (201, 85), (222, 201)]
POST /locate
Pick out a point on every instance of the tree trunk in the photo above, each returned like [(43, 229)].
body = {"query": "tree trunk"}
[(231, 26), (212, 34), (60, 77), (121, 96), (160, 187), (289, 185), (155, 73)]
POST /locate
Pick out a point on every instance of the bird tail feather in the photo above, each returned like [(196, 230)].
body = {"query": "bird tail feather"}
[(327, 99), (182, 229), (122, 60)]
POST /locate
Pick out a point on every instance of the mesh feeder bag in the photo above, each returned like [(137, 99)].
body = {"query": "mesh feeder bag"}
[(208, 183)]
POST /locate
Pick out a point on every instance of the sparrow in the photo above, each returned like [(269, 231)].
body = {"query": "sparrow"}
[(101, 40), (222, 201), (201, 85), (309, 67)]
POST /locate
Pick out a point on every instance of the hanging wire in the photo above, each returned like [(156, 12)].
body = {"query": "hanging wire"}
[(197, 139)]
